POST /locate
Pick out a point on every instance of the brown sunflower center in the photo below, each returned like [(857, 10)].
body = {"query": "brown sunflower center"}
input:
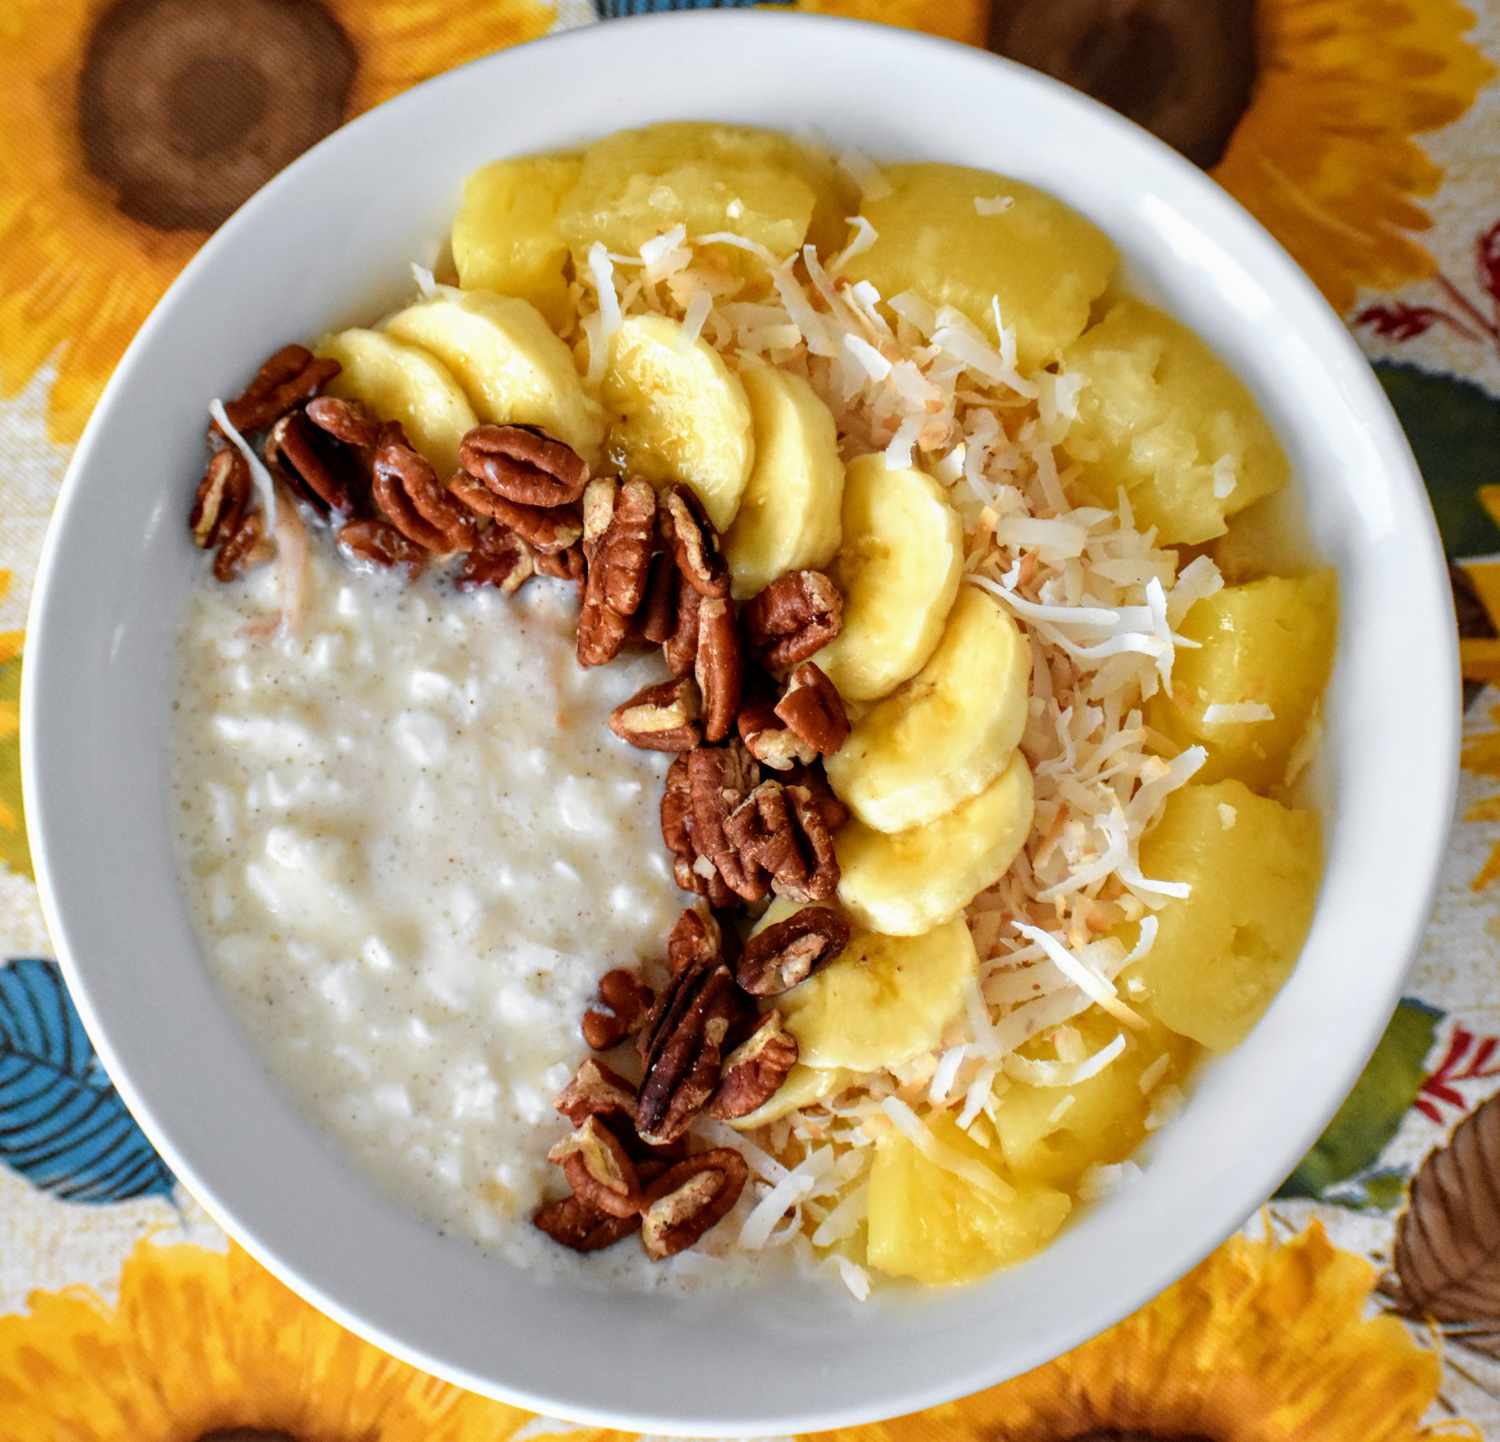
[(186, 107), (1182, 68)]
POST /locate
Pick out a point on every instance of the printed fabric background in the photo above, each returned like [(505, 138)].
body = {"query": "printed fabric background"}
[(1364, 1304)]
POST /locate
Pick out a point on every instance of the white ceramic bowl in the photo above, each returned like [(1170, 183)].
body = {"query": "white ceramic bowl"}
[(329, 241)]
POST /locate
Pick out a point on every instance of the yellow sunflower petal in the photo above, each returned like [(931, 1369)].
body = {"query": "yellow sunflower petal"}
[(1324, 155), (1261, 1343)]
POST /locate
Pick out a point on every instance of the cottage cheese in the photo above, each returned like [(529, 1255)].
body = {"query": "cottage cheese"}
[(412, 847)]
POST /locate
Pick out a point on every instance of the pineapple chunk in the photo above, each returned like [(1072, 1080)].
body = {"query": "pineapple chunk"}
[(766, 187), (1157, 412), (1270, 641), (1222, 953), (1106, 1119), (930, 1224), (1044, 262), (505, 237)]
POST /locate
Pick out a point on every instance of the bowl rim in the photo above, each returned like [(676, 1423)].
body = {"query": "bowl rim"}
[(1433, 814)]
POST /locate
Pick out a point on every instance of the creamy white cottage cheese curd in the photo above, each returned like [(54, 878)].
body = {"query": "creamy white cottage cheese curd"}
[(412, 847)]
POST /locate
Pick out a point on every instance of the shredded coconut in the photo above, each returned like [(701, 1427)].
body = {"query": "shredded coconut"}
[(1224, 712)]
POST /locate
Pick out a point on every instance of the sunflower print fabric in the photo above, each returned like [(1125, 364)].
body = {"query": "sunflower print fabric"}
[(1363, 1305)]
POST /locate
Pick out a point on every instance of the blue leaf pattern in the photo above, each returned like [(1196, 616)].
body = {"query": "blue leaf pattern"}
[(62, 1123)]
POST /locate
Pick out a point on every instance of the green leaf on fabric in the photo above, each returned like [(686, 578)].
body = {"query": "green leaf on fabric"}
[(1370, 1115), (1454, 429)]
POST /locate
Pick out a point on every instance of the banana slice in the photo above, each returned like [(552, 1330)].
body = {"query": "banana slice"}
[(906, 882), (403, 383), (680, 414), (804, 1087), (506, 237), (505, 356), (790, 514), (899, 567), (884, 1001), (946, 734)]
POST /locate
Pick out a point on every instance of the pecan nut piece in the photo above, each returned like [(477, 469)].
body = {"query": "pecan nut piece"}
[(571, 1222), (720, 778), (796, 615), (499, 558), (696, 939), (312, 471), (622, 555), (719, 667), (524, 465), (681, 647), (663, 717), (695, 544), (656, 621), (625, 1002), (601, 629), (813, 709), (247, 548), (770, 740), (222, 498), (379, 544), (816, 845), (812, 778), (596, 1091), (286, 379), (545, 528), (786, 953), (779, 829), (349, 421), (409, 495), (755, 1070), (598, 510), (681, 1047), (566, 565), (689, 1199), (599, 1169)]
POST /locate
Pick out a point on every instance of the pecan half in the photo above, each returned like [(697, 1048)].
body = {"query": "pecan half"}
[(688, 1199), (567, 565), (380, 544), (625, 1001), (598, 1169), (499, 558), (571, 1222), (788, 952), (755, 1070), (596, 1091), (622, 555), (797, 614), (696, 939), (663, 717), (719, 667), (676, 810), (769, 739), (720, 778), (681, 1047), (222, 498), (349, 421), (598, 510), (681, 647), (830, 808), (601, 629), (409, 495), (247, 548), (547, 529), (656, 621), (695, 544), (524, 465), (313, 471), (816, 838), (287, 378), (813, 709)]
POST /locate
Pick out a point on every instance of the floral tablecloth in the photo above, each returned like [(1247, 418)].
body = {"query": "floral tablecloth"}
[(1364, 1304)]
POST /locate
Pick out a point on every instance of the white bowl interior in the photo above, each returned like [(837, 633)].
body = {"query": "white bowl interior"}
[(329, 242)]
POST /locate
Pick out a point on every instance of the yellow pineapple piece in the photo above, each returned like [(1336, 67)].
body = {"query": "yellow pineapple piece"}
[(930, 1224), (1222, 952), (506, 238), (1268, 641), (635, 184), (1105, 1120), (1044, 261), (1158, 412)]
